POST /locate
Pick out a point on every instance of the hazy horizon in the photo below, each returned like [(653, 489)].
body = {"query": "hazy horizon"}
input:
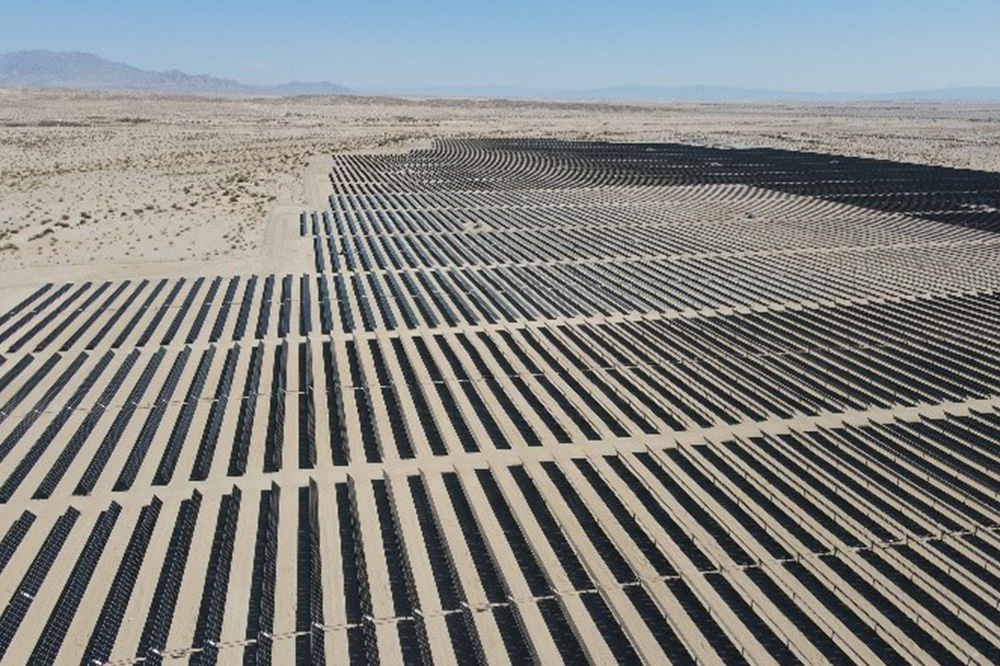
[(847, 46)]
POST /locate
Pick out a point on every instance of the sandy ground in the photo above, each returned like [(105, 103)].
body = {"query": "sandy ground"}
[(94, 180)]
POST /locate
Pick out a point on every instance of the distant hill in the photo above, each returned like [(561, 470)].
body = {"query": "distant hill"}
[(724, 93), (72, 69), (971, 94), (622, 93), (693, 93)]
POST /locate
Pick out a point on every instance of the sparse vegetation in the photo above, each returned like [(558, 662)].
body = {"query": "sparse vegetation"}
[(41, 234)]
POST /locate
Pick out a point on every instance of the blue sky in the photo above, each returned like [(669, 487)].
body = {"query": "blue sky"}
[(814, 45)]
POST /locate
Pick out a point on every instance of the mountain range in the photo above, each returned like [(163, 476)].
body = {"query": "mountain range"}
[(72, 69)]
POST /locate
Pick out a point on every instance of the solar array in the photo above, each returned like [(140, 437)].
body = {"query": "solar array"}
[(514, 401)]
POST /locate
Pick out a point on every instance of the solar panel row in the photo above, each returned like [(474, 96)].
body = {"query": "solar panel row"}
[(536, 402)]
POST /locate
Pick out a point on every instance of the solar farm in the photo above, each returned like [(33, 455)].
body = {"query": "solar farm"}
[(511, 401)]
